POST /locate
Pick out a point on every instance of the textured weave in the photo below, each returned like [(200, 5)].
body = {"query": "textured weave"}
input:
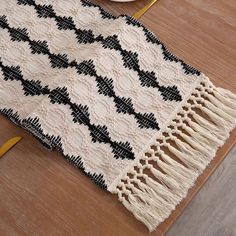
[(102, 90)]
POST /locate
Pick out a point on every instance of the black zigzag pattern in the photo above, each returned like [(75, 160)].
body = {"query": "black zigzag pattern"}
[(37, 47), (146, 78), (123, 105), (33, 125), (79, 112), (130, 59), (150, 37), (104, 84), (65, 23)]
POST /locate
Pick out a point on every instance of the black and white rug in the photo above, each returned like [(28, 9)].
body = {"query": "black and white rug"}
[(107, 94)]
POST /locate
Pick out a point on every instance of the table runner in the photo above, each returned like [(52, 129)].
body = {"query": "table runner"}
[(106, 93)]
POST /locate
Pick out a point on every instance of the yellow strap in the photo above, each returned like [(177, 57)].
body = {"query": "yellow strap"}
[(8, 145), (141, 12)]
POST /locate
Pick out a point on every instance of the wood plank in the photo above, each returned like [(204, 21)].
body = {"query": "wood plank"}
[(41, 194)]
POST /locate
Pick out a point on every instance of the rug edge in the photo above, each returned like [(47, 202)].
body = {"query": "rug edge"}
[(156, 183)]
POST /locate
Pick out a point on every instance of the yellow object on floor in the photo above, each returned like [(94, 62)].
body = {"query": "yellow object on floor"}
[(8, 145), (141, 12)]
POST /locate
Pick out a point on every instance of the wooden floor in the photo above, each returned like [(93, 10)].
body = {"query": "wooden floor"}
[(213, 211), (41, 194)]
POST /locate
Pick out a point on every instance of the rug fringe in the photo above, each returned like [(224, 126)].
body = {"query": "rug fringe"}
[(162, 177)]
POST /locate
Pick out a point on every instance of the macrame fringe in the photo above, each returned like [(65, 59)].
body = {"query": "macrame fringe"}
[(162, 177)]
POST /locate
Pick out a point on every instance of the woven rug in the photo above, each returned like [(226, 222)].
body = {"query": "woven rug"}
[(106, 93)]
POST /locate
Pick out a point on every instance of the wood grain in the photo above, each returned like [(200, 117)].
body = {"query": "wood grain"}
[(41, 194)]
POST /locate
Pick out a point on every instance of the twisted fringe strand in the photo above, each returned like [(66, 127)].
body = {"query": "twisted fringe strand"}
[(162, 177)]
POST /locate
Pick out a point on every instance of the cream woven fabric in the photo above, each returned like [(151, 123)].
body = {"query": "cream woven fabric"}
[(106, 93)]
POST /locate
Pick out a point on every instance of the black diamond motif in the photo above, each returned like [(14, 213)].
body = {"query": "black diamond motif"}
[(85, 36), (99, 133), (80, 114), (147, 121), (111, 42), (18, 34), (124, 105), (26, 2), (59, 95), (65, 23), (39, 47), (86, 68), (59, 60), (11, 72), (122, 150), (45, 11), (130, 59), (105, 86)]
